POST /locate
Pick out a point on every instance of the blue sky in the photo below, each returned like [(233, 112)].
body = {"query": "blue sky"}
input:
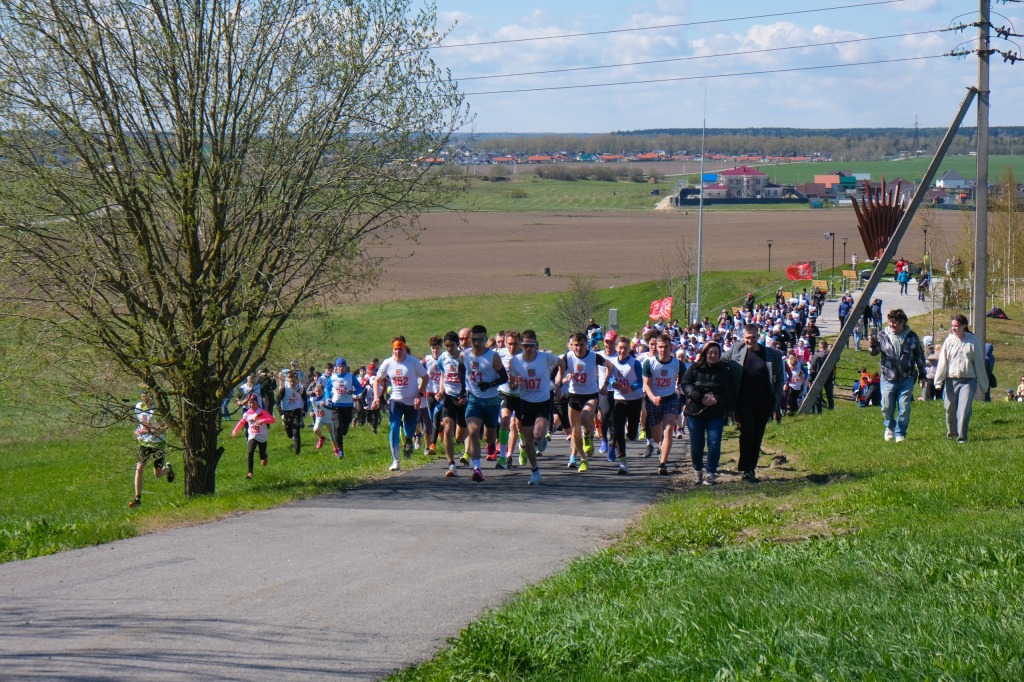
[(857, 96)]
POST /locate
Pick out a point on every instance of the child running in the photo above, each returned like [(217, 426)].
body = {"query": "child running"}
[(318, 411), (257, 422)]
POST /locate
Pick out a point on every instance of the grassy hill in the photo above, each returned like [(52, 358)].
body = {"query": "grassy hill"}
[(909, 169)]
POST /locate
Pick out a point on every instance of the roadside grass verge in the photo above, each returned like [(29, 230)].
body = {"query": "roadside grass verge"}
[(527, 192), (875, 561)]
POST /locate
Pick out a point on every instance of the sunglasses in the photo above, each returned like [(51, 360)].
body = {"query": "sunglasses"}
[(529, 345), (479, 339)]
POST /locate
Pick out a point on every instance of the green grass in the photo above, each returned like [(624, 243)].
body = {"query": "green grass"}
[(559, 195), (910, 169), (894, 562)]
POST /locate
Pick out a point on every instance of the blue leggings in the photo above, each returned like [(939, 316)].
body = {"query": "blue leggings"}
[(403, 418)]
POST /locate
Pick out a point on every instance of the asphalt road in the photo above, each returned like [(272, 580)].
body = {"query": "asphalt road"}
[(350, 586)]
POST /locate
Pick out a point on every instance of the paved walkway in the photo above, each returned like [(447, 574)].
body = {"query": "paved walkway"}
[(351, 586), (889, 292)]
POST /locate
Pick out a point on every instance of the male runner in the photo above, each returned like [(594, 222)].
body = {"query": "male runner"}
[(402, 370), (508, 426), (342, 389), (453, 397), (150, 436), (530, 373), (604, 401), (661, 377), (625, 374), (578, 369), (291, 399), (430, 412), (482, 372)]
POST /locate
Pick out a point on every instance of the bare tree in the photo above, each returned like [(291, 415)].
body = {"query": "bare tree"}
[(574, 307), (179, 176), (679, 274)]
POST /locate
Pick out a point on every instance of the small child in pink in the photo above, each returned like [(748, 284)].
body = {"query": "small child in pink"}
[(257, 432)]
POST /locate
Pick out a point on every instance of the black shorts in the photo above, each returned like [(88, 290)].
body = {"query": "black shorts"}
[(512, 403), (531, 412), (153, 451), (578, 400), (452, 410)]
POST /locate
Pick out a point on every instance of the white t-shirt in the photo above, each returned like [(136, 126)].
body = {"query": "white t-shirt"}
[(583, 372), (433, 374), (404, 377), (318, 406), (449, 367), (256, 431), (535, 374), (628, 373), (292, 399), (479, 369), (147, 420), (506, 359), (664, 376)]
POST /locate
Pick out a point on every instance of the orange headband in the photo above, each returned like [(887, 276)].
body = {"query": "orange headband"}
[(397, 344)]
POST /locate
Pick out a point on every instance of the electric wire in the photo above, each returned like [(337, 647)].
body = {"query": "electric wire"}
[(720, 75), (693, 57), (654, 28)]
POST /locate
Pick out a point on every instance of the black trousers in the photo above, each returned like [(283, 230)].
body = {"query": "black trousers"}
[(293, 427), (341, 417), (626, 417), (830, 398), (752, 420), (252, 445)]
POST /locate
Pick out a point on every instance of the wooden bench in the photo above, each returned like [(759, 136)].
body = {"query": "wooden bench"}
[(820, 284), (850, 274), (787, 295), (736, 309)]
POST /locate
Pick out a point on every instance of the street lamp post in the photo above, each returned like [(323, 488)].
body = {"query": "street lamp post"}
[(769, 255), (845, 239), (832, 277)]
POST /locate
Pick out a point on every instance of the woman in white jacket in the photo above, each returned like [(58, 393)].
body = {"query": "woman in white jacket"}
[(961, 371)]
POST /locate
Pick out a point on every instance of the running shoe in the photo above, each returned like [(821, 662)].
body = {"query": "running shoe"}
[(395, 466), (263, 462), (698, 476), (464, 460), (340, 454), (478, 475), (588, 445), (408, 449), (611, 454), (502, 463), (492, 457), (522, 458), (136, 502), (416, 442), (623, 469), (170, 473), (583, 465), (248, 476), (452, 471), (319, 442), (889, 435), (662, 470), (649, 450), (534, 478), (604, 446), (710, 478), (572, 461), (432, 450), (543, 445)]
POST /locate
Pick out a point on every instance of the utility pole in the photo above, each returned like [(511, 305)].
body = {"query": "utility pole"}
[(981, 192)]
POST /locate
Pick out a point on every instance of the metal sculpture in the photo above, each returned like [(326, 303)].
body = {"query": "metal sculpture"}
[(877, 217)]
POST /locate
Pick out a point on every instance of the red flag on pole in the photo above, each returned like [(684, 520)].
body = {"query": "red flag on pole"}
[(661, 310), (799, 271)]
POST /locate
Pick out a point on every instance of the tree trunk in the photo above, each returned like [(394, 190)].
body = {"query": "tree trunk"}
[(201, 426)]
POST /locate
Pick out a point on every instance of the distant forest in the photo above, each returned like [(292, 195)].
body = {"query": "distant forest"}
[(842, 144)]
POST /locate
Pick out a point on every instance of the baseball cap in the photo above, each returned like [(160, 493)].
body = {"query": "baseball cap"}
[(611, 335)]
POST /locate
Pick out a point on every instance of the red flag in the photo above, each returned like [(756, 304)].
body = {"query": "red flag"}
[(799, 271), (661, 310)]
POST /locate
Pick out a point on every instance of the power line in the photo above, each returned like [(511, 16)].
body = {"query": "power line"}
[(692, 57), (720, 75), (654, 28)]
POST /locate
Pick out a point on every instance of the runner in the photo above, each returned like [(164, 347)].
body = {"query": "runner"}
[(291, 400), (604, 401), (578, 369), (150, 437), (430, 412), (343, 390), (402, 370), (661, 376), (625, 375), (318, 411), (508, 426), (453, 397), (530, 375), (257, 421), (482, 373)]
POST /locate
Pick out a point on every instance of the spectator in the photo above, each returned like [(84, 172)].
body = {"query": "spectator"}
[(901, 363), (758, 379), (817, 364), (962, 364)]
